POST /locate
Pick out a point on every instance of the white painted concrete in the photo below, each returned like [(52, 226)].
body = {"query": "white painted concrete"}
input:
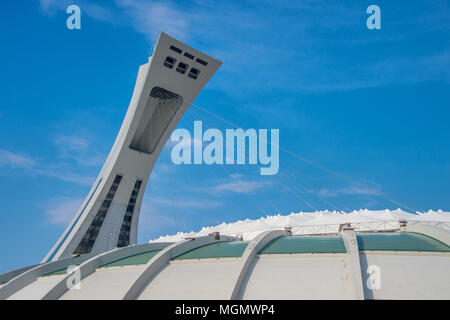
[(163, 258), (14, 273), (248, 257), (31, 275), (408, 275), (194, 279), (351, 246), (105, 284), (300, 276), (37, 289), (90, 266)]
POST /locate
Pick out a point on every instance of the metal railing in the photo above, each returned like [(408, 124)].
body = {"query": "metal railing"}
[(375, 226)]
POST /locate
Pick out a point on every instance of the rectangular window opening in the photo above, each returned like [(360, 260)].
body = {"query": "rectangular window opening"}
[(203, 62), (193, 73), (124, 235), (88, 241), (176, 49), (182, 67), (190, 56), (170, 62)]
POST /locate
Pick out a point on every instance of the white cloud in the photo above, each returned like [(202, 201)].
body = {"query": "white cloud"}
[(146, 17), (239, 185), (152, 17), (50, 7), (32, 167), (235, 25), (78, 148), (151, 218), (15, 160), (93, 10), (350, 191), (65, 175), (72, 143), (185, 203), (61, 211)]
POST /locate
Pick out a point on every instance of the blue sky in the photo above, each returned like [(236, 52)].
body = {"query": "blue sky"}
[(369, 108)]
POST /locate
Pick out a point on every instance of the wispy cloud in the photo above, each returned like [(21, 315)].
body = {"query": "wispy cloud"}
[(185, 203), (302, 65), (16, 160), (72, 143), (151, 17), (239, 185), (61, 211), (91, 9), (33, 167), (146, 17), (412, 69), (64, 174), (79, 149), (151, 219), (350, 191)]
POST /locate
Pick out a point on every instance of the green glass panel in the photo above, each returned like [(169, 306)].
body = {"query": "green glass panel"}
[(56, 273), (400, 242), (216, 250), (141, 258), (305, 244)]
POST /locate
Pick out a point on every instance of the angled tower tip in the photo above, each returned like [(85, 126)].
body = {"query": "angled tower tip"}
[(165, 87)]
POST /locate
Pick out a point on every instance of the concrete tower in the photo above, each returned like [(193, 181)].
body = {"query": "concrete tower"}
[(165, 87)]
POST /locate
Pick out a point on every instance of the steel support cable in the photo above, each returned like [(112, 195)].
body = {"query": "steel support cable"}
[(297, 196), (310, 185), (178, 215), (323, 200), (190, 174), (228, 173), (294, 180), (288, 190), (248, 195), (306, 160), (281, 166), (304, 200)]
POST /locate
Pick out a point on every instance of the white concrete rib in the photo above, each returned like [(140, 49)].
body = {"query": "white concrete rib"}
[(88, 267), (5, 277), (161, 259), (351, 245), (24, 279), (249, 255)]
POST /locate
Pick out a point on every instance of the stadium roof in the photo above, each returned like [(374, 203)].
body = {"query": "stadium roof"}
[(372, 255)]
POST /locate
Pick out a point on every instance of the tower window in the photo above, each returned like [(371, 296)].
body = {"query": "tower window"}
[(203, 62), (190, 56), (170, 62), (124, 235), (87, 243), (193, 73), (182, 68), (176, 49)]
